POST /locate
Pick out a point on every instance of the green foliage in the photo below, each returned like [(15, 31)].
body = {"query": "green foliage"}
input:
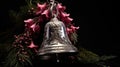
[(9, 57), (89, 57), (73, 37), (86, 56), (104, 57), (17, 59)]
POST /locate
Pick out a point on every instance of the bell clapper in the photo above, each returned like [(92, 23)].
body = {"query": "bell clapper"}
[(57, 58)]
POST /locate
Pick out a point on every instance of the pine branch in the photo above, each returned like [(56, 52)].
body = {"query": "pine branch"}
[(104, 57), (19, 55), (86, 56), (73, 37), (89, 57)]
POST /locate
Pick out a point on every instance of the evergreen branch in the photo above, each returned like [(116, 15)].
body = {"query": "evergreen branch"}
[(73, 37), (103, 58), (29, 62), (86, 56), (29, 2), (18, 53), (14, 59)]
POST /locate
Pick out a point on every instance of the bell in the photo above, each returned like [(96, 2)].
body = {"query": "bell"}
[(55, 39)]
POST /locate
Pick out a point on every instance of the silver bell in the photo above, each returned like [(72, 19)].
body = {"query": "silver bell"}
[(55, 39)]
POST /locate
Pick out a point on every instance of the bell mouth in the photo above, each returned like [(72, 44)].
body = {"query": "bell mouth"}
[(57, 57)]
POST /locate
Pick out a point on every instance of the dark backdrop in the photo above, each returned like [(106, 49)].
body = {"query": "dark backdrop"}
[(99, 29)]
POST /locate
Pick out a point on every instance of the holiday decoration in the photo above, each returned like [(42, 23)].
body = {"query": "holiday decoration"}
[(56, 39), (48, 33)]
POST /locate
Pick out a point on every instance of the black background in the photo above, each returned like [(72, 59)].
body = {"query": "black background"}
[(99, 28)]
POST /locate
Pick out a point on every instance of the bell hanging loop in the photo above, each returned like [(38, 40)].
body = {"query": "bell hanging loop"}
[(53, 10)]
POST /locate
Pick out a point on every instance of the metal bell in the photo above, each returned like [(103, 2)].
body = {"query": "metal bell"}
[(55, 39)]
